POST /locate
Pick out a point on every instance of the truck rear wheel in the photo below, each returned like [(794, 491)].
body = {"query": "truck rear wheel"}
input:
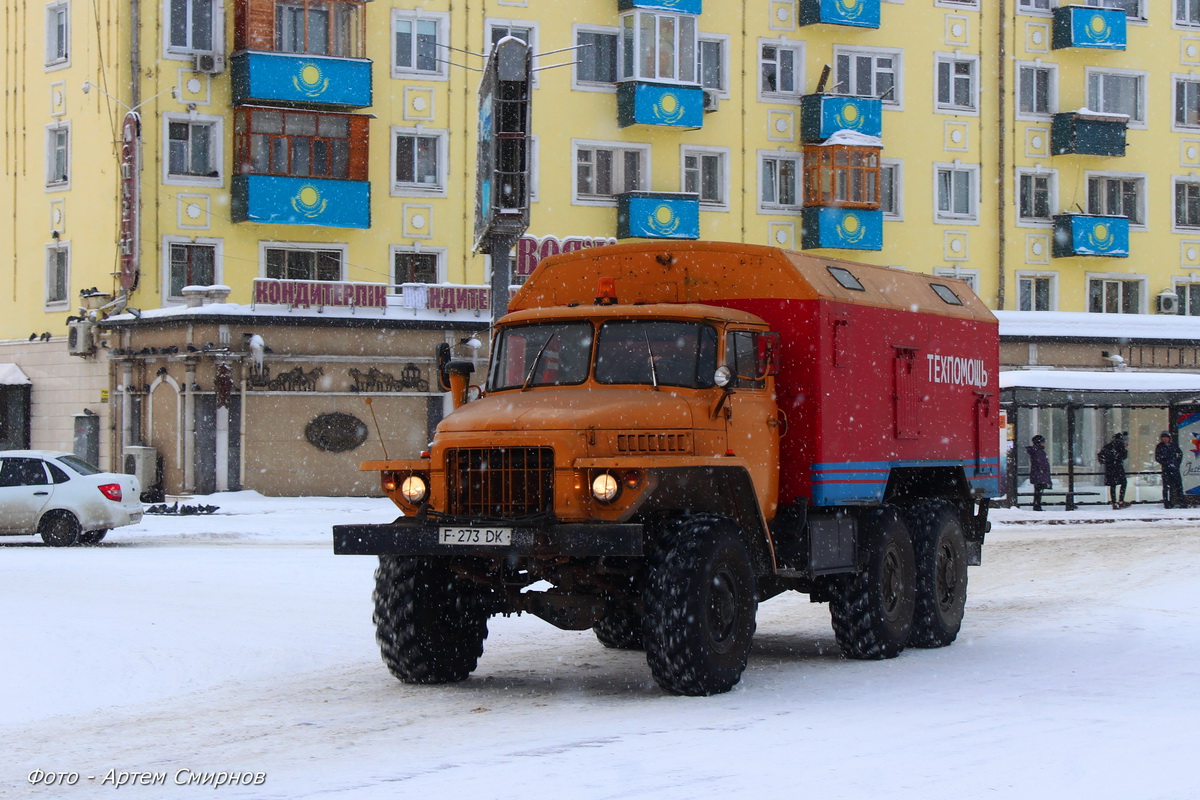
[(621, 629), (700, 605), (430, 624), (941, 553), (872, 610)]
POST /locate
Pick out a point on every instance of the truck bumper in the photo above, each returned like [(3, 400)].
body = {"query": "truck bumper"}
[(415, 537)]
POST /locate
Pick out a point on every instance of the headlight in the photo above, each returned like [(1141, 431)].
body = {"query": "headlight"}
[(605, 488), (414, 489)]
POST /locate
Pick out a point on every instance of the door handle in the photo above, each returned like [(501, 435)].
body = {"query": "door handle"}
[(40, 494)]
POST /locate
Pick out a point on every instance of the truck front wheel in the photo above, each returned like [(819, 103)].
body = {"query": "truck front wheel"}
[(430, 624), (872, 610), (941, 552), (700, 604)]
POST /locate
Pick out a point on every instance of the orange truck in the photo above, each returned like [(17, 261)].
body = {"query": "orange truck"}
[(671, 433)]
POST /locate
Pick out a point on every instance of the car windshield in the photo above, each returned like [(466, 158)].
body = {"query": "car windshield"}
[(78, 464), (543, 354), (657, 353)]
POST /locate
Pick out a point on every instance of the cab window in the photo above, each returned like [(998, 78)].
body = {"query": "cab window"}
[(656, 352), (752, 356), (542, 354)]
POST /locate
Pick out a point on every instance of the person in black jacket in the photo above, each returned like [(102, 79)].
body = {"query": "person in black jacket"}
[(1170, 458), (1113, 456), (1039, 469)]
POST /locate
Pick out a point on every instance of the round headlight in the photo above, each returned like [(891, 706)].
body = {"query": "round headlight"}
[(414, 489), (605, 488)]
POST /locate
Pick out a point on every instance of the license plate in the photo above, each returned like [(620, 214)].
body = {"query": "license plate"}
[(473, 536)]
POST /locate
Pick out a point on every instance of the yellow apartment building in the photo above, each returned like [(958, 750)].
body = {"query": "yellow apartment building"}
[(229, 222)]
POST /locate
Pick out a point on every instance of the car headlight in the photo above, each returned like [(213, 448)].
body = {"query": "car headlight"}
[(414, 489), (605, 487)]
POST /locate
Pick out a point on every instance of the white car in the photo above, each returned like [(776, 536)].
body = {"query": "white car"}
[(63, 498)]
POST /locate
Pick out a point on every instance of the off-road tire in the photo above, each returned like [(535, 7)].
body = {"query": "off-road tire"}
[(940, 548), (872, 610), (430, 625), (700, 601), (60, 529), (621, 629), (93, 537)]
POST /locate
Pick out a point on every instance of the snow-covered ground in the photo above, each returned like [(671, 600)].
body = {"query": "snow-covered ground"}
[(239, 643)]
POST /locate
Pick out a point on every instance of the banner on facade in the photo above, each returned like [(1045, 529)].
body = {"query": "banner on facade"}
[(320, 293), (1189, 443)]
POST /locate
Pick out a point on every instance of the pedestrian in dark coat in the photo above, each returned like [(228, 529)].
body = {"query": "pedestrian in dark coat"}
[(1170, 458), (1113, 456), (1039, 469)]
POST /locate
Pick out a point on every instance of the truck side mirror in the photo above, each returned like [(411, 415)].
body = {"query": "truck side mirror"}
[(442, 355)]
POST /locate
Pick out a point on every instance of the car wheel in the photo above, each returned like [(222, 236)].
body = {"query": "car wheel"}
[(60, 529), (92, 537)]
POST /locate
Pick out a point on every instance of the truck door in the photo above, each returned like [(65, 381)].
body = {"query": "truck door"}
[(752, 423)]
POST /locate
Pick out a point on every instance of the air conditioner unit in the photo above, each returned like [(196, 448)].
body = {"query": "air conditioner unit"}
[(712, 99), (1167, 303), (142, 463), (210, 63), (79, 338)]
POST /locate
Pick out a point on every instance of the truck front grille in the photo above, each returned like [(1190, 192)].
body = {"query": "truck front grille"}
[(500, 482)]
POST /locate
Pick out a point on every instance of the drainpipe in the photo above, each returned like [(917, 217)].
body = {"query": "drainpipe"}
[(189, 428), (1001, 161)]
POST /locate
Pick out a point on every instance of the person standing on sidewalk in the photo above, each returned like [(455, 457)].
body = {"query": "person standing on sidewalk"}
[(1169, 458), (1039, 469), (1113, 456)]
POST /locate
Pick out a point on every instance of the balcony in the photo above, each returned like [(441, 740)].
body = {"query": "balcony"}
[(1083, 26), (1090, 235), (658, 215), (669, 105), (855, 13), (1088, 134), (841, 228), (822, 115), (678, 6), (299, 78), (323, 202)]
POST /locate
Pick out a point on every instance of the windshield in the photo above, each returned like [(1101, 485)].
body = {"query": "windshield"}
[(657, 353), (546, 354)]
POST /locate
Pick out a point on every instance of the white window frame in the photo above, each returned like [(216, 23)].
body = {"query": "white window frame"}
[(218, 263), (951, 217), (951, 107), (1041, 8), (216, 143), (52, 251), (1178, 282), (491, 23), (58, 49), (441, 73), (1194, 81), (578, 83), (619, 167), (440, 253), (722, 155), (53, 181), (1143, 192), (313, 247), (897, 168), (968, 274), (1122, 277), (1142, 88), (959, 4), (1139, 14), (1051, 92), (722, 40), (798, 50), (1051, 177), (1183, 23), (406, 189), (769, 207), (680, 65), (896, 101), (1036, 275), (216, 33), (1176, 180)]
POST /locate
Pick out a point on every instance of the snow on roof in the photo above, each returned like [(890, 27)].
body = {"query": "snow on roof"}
[(1082, 325), (1085, 381), (11, 375)]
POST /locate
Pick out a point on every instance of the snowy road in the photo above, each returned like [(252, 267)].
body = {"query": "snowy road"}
[(238, 642)]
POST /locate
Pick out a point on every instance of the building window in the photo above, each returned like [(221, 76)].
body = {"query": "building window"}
[(967, 276), (1035, 89), (1187, 12), (957, 192), (1189, 298), (1132, 8), (58, 155), (190, 264), (780, 181), (604, 171), (1187, 103), (417, 44), (1034, 198), (300, 144), (596, 56), (957, 84), (499, 31), (891, 185), (1115, 295), (1035, 292), (193, 149), (419, 161), (1034, 5), (58, 33), (781, 69), (1187, 204), (1118, 196), (320, 27), (864, 73), (58, 274), (658, 47), (1117, 93), (190, 26), (411, 266), (711, 67), (841, 175), (303, 264), (704, 175)]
